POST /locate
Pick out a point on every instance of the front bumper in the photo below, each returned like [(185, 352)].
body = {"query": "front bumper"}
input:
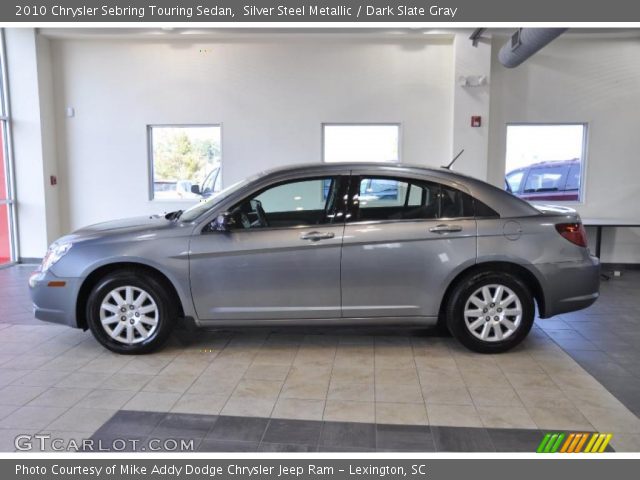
[(569, 286), (54, 298)]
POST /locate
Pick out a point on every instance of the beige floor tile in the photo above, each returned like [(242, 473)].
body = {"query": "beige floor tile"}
[(59, 397), (351, 391), (212, 386), (106, 364), (491, 376), (18, 395), (575, 380), (188, 367), (530, 380), (265, 371), (434, 380), (6, 410), (559, 418), (446, 364), (495, 397), (153, 401), (305, 391), (169, 383), (31, 417), (88, 380), (62, 363), (248, 406), (453, 415), (28, 361), (505, 417), (276, 355), (612, 420), (591, 397), (396, 376), (389, 362), (447, 396), (401, 413), (126, 381), (250, 387), (348, 411), (318, 355), (300, 409), (39, 378), (544, 397), (106, 399), (146, 365), (225, 372), (81, 419), (518, 363), (390, 393), (200, 404), (353, 374), (320, 373)]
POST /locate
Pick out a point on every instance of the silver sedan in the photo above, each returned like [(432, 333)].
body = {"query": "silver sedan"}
[(330, 244)]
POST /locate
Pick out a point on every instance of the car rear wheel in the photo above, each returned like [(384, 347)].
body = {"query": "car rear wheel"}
[(130, 312), (490, 312)]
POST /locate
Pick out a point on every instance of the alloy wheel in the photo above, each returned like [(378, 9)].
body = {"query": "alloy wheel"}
[(129, 314), (493, 313)]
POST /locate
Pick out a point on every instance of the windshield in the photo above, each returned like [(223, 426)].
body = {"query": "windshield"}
[(194, 212)]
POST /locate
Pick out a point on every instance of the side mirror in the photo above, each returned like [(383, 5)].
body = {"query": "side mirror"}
[(222, 223), (195, 189)]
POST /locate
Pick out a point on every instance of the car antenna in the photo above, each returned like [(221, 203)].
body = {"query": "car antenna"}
[(448, 167)]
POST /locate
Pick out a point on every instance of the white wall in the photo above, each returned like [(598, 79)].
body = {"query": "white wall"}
[(270, 94), (581, 79)]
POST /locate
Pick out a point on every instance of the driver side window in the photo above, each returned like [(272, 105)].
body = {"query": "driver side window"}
[(290, 204)]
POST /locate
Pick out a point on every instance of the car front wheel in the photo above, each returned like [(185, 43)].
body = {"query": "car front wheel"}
[(490, 312), (130, 312)]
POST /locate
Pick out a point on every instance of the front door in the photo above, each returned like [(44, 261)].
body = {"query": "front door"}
[(403, 240), (281, 258)]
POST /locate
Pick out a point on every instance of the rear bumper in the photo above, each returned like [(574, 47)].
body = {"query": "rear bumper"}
[(569, 286), (54, 298)]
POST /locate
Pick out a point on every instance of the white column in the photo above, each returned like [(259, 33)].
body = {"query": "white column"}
[(470, 61)]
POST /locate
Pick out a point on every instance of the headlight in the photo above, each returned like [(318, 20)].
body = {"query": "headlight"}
[(56, 252)]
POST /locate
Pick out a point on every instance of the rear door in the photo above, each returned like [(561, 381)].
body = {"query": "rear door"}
[(403, 239)]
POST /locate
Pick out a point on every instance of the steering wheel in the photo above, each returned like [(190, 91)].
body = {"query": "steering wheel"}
[(262, 216)]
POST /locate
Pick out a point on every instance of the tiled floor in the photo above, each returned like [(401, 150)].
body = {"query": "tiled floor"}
[(60, 381)]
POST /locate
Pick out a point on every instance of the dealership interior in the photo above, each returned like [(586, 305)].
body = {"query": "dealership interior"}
[(99, 124)]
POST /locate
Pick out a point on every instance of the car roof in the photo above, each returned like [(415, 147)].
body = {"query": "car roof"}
[(506, 204)]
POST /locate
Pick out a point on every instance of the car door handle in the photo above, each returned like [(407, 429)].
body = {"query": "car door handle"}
[(315, 236), (444, 228)]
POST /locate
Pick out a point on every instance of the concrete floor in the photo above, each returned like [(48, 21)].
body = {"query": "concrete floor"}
[(399, 390)]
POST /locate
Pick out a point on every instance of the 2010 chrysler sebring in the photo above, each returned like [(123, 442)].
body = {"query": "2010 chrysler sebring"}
[(339, 244)]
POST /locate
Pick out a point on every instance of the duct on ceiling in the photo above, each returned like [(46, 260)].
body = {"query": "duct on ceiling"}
[(525, 42)]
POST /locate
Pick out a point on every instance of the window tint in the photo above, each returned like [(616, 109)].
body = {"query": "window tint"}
[(303, 202), (514, 181), (546, 179), (396, 199)]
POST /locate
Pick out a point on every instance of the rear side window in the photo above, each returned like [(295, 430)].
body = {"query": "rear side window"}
[(380, 198), (573, 177), (546, 179), (514, 179)]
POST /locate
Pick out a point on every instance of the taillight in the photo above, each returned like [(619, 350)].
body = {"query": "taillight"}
[(574, 232)]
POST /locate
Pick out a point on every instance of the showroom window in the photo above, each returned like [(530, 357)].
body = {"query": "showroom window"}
[(185, 161), (7, 206), (546, 161), (361, 142)]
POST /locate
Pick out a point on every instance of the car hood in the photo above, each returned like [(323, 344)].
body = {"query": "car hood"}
[(119, 227)]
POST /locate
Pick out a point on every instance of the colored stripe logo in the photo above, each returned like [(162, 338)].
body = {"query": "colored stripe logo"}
[(574, 443)]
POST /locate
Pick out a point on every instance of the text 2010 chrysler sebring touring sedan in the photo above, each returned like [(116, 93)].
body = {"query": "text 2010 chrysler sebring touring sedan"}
[(325, 244)]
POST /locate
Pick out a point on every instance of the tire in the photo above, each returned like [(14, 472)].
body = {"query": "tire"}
[(123, 320), (491, 326)]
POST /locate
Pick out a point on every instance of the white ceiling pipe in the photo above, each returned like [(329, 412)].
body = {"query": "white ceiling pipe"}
[(525, 42)]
